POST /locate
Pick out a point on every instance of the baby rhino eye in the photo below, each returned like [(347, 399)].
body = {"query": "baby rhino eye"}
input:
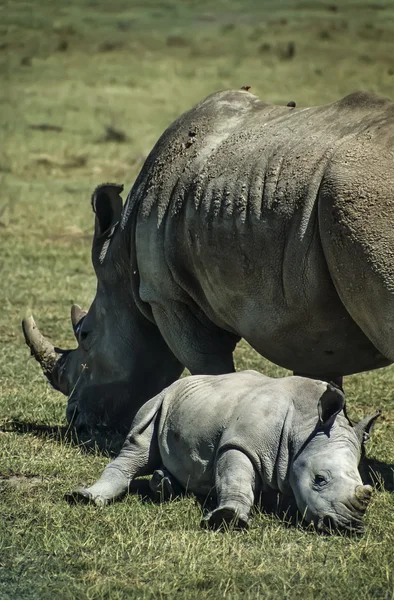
[(320, 479)]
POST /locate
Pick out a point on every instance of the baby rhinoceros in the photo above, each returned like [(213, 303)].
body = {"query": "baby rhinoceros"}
[(238, 435)]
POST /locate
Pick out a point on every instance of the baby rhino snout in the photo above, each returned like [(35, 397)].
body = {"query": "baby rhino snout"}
[(348, 516)]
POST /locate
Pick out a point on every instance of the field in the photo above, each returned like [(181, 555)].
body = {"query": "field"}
[(86, 88)]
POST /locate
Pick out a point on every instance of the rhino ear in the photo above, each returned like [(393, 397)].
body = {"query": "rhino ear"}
[(330, 405), (107, 204), (364, 427)]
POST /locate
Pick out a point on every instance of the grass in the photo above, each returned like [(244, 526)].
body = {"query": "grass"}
[(72, 72)]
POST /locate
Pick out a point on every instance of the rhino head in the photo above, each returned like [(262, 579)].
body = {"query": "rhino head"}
[(121, 359), (324, 474)]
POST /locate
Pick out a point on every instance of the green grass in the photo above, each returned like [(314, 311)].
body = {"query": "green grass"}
[(85, 66)]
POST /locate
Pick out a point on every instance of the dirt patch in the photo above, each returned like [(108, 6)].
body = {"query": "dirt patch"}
[(21, 482)]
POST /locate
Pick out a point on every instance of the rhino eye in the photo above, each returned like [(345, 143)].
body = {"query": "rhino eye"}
[(83, 337), (320, 480)]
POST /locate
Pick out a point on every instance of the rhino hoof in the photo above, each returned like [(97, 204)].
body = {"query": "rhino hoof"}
[(161, 486), (79, 496), (225, 518)]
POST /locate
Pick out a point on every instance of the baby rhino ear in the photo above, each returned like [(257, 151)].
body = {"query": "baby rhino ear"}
[(330, 405)]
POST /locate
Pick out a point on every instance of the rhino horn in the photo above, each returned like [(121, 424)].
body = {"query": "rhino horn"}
[(364, 492), (40, 347), (77, 314), (363, 496)]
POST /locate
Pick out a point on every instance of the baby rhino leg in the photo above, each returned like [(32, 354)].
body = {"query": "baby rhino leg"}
[(164, 486), (139, 456), (235, 482)]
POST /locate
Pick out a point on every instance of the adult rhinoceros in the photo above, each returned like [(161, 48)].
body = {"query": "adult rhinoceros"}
[(271, 223)]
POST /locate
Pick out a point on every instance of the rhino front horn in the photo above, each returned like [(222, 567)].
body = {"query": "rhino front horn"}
[(364, 492), (43, 351), (77, 314), (363, 497)]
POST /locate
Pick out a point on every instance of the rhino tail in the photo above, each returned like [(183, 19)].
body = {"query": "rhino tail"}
[(146, 416)]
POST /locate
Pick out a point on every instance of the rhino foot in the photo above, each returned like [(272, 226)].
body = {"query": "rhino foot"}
[(162, 486), (225, 517), (83, 496)]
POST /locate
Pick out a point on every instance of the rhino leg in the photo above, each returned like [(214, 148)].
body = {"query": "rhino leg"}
[(164, 486), (196, 342), (236, 483), (139, 456)]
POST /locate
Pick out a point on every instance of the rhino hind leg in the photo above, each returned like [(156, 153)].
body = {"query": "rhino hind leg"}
[(164, 486), (236, 486), (225, 517)]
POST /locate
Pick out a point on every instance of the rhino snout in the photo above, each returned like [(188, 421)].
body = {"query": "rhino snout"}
[(348, 515), (330, 524)]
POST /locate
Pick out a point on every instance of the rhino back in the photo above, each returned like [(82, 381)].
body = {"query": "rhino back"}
[(203, 415), (228, 215), (196, 412)]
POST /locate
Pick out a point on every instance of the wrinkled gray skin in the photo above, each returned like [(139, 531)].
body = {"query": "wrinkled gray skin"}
[(271, 223), (239, 435)]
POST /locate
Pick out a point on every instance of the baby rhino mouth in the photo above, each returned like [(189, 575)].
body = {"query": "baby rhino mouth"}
[(334, 524), (348, 518)]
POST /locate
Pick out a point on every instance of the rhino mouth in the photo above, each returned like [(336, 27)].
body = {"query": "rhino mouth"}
[(330, 524), (348, 517)]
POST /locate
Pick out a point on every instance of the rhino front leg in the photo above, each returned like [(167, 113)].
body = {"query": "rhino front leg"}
[(139, 456), (236, 483), (199, 344)]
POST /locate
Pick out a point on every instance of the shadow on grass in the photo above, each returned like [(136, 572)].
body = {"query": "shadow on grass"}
[(377, 473), (65, 434)]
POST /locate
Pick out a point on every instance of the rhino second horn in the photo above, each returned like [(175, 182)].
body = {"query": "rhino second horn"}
[(77, 314), (43, 351)]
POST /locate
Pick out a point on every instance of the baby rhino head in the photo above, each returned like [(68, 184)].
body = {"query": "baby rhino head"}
[(324, 476)]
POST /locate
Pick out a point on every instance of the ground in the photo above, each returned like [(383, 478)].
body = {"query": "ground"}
[(86, 88)]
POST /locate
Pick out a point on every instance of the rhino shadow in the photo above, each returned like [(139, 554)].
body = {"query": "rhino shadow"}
[(64, 433), (377, 473)]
